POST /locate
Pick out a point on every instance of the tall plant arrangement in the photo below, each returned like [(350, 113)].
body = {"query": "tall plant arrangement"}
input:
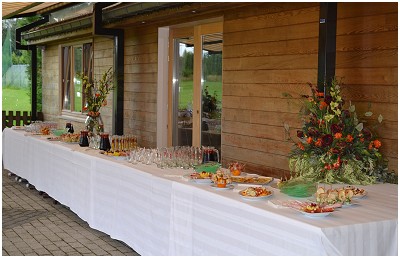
[(335, 145)]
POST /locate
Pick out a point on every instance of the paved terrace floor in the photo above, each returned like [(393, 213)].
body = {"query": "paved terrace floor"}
[(34, 225)]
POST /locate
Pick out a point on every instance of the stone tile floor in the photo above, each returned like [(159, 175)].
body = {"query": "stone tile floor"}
[(34, 225)]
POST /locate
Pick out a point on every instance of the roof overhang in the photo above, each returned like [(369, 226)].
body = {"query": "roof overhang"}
[(23, 9)]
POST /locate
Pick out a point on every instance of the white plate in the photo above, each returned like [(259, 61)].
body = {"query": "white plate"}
[(345, 205), (359, 196), (316, 215), (256, 198), (18, 127), (228, 187), (198, 181)]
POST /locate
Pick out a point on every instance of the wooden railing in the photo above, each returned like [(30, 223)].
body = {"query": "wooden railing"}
[(18, 119)]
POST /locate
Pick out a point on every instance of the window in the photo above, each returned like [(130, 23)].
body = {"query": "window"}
[(76, 59)]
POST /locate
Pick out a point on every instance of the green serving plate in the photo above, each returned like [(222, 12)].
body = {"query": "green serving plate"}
[(211, 167)]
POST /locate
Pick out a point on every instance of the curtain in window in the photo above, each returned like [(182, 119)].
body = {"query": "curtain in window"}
[(66, 77), (87, 64)]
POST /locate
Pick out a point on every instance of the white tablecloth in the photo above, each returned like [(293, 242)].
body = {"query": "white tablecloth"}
[(157, 212)]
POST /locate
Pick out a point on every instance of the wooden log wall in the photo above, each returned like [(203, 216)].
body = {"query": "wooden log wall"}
[(140, 100), (103, 59), (269, 49), (50, 83), (367, 59)]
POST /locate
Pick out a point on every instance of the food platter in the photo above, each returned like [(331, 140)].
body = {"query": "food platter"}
[(358, 192), (115, 155), (316, 215), (196, 178), (228, 187), (255, 193), (252, 179), (18, 127), (256, 198)]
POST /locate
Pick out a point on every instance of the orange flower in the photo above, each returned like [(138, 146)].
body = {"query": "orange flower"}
[(321, 122), (84, 108), (338, 135), (377, 144), (370, 146), (349, 138), (322, 105), (301, 146), (319, 142), (97, 95), (309, 140), (320, 94)]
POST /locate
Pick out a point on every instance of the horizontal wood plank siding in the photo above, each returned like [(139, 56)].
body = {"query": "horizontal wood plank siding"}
[(140, 100), (50, 84), (103, 59), (367, 59), (265, 55)]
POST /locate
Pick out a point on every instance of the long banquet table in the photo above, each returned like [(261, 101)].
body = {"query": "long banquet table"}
[(157, 212)]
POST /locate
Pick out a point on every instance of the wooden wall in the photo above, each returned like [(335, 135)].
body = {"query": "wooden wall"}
[(140, 100), (367, 58), (50, 83), (269, 49), (103, 59)]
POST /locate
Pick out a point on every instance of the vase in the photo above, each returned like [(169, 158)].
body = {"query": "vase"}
[(94, 124)]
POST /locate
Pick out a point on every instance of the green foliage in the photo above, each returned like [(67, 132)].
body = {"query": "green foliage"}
[(335, 145), (96, 92), (6, 52), (11, 55), (210, 104), (187, 64), (212, 64)]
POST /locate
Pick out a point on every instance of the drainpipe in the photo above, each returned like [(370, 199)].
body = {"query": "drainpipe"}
[(33, 49), (118, 34), (327, 45)]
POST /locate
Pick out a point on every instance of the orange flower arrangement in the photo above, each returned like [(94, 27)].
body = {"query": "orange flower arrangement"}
[(96, 93), (334, 145)]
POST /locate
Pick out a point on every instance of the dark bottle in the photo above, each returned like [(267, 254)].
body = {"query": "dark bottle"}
[(104, 142), (70, 127), (84, 140)]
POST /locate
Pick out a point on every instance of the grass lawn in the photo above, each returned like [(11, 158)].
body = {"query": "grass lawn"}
[(15, 99), (186, 92)]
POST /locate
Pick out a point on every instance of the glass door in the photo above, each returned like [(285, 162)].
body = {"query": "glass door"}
[(182, 88), (196, 85), (211, 84)]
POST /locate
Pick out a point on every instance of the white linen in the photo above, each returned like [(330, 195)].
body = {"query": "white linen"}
[(158, 212)]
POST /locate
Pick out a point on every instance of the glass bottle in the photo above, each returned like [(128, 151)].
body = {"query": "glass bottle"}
[(84, 140), (104, 142)]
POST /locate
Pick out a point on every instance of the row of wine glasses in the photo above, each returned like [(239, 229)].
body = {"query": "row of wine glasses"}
[(168, 157), (123, 142)]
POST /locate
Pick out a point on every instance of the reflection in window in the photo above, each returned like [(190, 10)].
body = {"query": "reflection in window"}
[(66, 79), (76, 60), (211, 82)]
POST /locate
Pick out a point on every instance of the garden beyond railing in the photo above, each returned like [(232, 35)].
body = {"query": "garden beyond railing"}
[(11, 119)]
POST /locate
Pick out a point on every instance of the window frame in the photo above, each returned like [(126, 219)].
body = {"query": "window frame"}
[(197, 31), (70, 113)]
